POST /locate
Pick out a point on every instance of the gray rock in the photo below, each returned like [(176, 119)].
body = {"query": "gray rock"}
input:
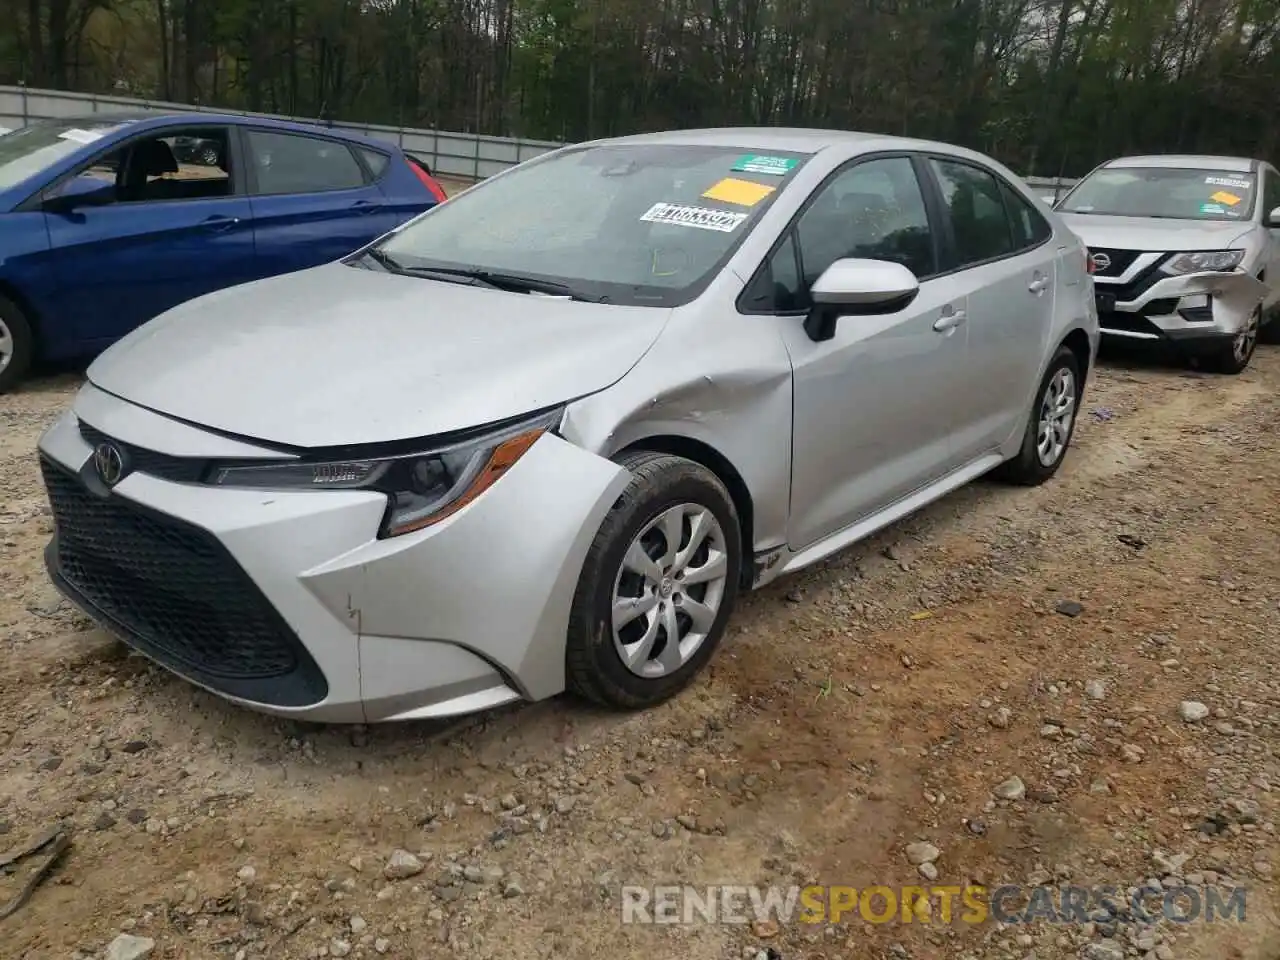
[(1011, 789), (513, 889), (382, 945), (358, 924), (919, 853), (339, 948), (1001, 718), (1095, 690), (402, 865), (1070, 608), (128, 947), (1103, 950), (929, 871), (1192, 711), (565, 804)]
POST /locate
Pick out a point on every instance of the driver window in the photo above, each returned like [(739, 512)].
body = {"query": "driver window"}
[(1270, 194), (180, 165), (873, 210)]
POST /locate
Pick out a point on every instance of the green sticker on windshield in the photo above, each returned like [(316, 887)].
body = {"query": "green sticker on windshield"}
[(772, 166), (1212, 208)]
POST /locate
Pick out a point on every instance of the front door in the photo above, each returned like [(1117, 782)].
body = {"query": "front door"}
[(158, 232), (874, 405)]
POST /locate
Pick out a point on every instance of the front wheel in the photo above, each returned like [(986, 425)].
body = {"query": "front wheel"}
[(17, 345), (1233, 358), (1050, 426), (658, 585)]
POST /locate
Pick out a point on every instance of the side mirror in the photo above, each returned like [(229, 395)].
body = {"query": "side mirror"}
[(862, 287), (1273, 219), (77, 192)]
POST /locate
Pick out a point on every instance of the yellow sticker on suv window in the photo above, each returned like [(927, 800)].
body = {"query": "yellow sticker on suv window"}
[(1230, 199), (744, 193)]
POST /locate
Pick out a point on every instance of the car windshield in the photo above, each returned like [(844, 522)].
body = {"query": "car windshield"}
[(26, 152), (638, 224), (1165, 192)]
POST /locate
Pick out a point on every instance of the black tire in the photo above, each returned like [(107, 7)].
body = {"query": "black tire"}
[(23, 341), (1027, 469), (1270, 332), (1225, 358), (594, 668)]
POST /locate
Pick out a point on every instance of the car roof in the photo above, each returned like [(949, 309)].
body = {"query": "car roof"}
[(148, 120), (1195, 161), (803, 140)]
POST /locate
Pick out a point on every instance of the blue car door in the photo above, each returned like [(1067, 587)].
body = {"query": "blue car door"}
[(138, 231), (313, 200)]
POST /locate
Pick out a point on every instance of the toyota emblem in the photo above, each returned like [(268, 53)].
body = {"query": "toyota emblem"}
[(109, 462), (1101, 261)]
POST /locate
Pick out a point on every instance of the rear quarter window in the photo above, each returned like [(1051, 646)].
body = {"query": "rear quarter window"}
[(376, 162)]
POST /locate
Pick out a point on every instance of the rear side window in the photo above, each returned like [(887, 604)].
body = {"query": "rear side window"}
[(1030, 229), (976, 210), (376, 162), (295, 163)]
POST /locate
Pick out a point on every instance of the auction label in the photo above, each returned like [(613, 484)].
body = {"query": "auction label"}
[(701, 218)]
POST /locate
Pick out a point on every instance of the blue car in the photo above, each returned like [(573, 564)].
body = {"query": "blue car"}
[(107, 221)]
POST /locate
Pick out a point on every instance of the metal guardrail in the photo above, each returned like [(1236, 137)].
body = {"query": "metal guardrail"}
[(463, 155), (460, 155)]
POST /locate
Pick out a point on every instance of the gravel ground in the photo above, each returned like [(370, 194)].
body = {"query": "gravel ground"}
[(1076, 683)]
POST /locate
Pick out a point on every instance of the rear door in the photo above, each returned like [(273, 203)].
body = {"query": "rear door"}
[(1005, 263), (313, 199), (156, 233)]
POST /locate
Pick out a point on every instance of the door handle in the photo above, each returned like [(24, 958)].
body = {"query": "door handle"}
[(219, 223), (1038, 285), (950, 319), (364, 206)]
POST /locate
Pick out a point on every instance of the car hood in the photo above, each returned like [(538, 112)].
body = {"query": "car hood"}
[(340, 355), (1153, 234)]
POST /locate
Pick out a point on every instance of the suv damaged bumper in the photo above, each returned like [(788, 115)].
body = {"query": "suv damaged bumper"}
[(1194, 306)]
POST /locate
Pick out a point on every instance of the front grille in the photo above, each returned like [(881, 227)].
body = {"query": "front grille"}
[(139, 460), (176, 594), (1121, 260), (1135, 288)]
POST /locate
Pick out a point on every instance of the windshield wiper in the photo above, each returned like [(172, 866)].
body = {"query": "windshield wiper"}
[(384, 260), (509, 281)]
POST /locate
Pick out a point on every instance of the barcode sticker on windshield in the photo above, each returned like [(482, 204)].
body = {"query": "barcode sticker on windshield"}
[(701, 218), (80, 136), (1228, 182)]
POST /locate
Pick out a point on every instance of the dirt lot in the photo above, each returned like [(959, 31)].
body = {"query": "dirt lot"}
[(856, 709)]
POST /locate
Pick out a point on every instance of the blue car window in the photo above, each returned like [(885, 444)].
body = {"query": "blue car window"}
[(295, 163)]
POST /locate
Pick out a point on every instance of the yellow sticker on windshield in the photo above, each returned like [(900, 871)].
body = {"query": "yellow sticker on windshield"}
[(1230, 199), (742, 192)]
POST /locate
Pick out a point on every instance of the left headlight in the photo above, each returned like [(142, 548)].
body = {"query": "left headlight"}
[(1205, 260), (422, 488)]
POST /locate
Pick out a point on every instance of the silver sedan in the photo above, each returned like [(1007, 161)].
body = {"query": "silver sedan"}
[(542, 437)]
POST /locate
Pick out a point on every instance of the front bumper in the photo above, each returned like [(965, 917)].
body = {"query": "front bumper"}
[(286, 602), (1192, 307)]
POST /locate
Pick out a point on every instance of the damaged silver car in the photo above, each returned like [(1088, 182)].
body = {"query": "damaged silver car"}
[(1185, 250)]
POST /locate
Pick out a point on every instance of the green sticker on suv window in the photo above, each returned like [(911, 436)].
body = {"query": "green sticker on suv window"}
[(773, 166)]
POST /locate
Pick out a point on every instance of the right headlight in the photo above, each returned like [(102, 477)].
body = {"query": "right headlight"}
[(1204, 261), (422, 488)]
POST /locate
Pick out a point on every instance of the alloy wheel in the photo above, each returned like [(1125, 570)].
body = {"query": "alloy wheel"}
[(1243, 345), (6, 345), (668, 592), (1057, 412)]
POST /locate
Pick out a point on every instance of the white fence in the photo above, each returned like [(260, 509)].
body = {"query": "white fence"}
[(464, 155)]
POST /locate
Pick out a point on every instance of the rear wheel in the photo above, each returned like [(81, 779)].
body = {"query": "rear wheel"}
[(17, 345), (1050, 426), (658, 585), (1234, 357)]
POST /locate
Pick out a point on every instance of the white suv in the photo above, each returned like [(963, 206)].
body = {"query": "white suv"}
[(1185, 249)]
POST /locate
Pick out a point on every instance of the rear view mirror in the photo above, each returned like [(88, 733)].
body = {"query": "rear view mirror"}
[(858, 287), (1273, 218)]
